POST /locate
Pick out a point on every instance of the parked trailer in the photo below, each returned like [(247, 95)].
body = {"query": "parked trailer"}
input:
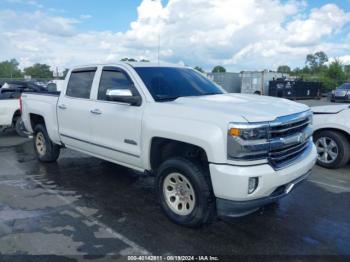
[(295, 89), (231, 82), (257, 82)]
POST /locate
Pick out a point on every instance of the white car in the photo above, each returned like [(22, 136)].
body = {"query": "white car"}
[(332, 135), (10, 114), (212, 152)]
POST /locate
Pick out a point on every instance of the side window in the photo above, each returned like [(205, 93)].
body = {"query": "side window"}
[(113, 79), (80, 83)]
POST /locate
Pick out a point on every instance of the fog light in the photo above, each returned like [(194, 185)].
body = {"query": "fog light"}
[(252, 184)]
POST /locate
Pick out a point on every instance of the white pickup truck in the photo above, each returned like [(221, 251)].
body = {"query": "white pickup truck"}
[(10, 114), (211, 152)]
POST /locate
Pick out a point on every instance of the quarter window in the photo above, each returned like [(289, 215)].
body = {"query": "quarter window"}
[(113, 79), (80, 83)]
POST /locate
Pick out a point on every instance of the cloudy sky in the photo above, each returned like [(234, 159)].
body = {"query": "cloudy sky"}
[(239, 34)]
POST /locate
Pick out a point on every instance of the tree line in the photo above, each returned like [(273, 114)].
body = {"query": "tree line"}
[(318, 68), (10, 69)]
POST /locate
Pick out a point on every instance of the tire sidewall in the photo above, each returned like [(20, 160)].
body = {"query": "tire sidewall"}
[(341, 149), (18, 127), (200, 189), (52, 152)]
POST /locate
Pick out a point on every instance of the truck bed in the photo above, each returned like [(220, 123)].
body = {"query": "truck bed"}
[(42, 104)]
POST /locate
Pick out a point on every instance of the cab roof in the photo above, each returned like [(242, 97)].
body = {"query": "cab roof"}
[(132, 64)]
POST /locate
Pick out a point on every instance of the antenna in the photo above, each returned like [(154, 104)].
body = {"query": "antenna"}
[(158, 46)]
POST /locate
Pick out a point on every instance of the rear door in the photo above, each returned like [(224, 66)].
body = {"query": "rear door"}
[(74, 107), (116, 127)]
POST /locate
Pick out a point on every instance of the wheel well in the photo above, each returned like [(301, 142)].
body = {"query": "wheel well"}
[(36, 119), (347, 135), (163, 148), (15, 116)]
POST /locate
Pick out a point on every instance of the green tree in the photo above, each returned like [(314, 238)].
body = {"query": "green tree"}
[(316, 61), (336, 73), (296, 71), (284, 69), (144, 60), (9, 69), (199, 69), (347, 71), (219, 69), (306, 70), (39, 71)]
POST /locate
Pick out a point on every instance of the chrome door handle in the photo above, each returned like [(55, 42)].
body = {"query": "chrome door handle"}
[(62, 106), (96, 111)]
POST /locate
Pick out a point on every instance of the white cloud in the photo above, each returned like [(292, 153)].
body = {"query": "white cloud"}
[(321, 22), (242, 35)]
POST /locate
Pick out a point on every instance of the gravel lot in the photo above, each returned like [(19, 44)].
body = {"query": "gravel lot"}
[(85, 206)]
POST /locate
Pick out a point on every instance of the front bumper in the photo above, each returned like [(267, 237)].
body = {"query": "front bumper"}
[(230, 183), (342, 98), (229, 208)]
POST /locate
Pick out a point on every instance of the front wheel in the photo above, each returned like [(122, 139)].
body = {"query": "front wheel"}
[(333, 149), (184, 191), (46, 151)]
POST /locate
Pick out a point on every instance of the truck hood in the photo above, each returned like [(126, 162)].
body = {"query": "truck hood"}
[(253, 108)]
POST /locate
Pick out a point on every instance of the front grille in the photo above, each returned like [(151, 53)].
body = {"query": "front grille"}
[(340, 93), (289, 139), (287, 129)]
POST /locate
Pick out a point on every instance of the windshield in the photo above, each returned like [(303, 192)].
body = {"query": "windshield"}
[(169, 83), (345, 86)]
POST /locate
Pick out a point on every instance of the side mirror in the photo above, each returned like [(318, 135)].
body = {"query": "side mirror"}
[(123, 96)]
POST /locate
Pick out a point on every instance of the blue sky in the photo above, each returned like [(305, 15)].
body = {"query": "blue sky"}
[(113, 15), (241, 35)]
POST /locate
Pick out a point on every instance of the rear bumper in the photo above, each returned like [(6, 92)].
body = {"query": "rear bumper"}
[(229, 208)]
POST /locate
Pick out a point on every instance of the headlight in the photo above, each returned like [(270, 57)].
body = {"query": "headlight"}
[(249, 133), (248, 142)]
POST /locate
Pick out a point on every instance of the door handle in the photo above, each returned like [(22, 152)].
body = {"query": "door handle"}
[(62, 106), (96, 111)]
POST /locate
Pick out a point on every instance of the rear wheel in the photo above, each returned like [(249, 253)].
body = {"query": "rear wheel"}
[(184, 191), (333, 149), (46, 151), (19, 126)]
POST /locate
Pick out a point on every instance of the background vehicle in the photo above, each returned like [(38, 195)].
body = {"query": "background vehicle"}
[(211, 152), (341, 93), (332, 135), (10, 114)]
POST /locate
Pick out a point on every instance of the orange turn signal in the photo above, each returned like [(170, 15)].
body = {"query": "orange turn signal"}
[(234, 132)]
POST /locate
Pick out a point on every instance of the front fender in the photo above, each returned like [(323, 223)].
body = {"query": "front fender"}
[(209, 137)]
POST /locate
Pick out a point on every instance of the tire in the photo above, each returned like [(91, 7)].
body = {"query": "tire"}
[(19, 127), (45, 150), (201, 206), (342, 144)]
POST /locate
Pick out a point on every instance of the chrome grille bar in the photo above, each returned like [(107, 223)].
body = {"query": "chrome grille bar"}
[(289, 138)]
